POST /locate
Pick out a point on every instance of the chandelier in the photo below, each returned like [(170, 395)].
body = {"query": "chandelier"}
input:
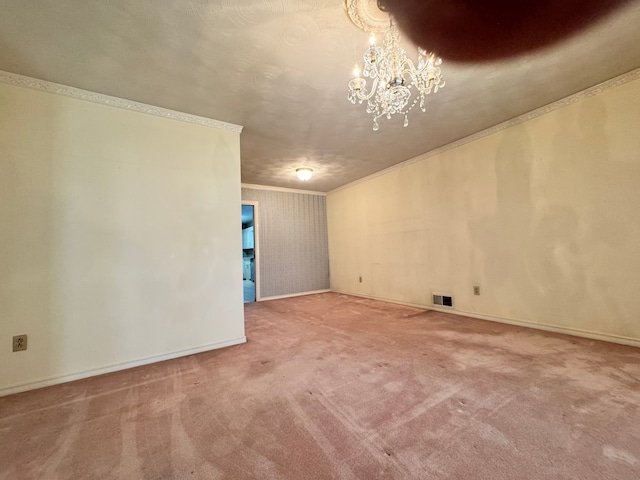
[(397, 84)]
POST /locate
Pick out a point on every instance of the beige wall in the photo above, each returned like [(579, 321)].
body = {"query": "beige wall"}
[(120, 237), (544, 216)]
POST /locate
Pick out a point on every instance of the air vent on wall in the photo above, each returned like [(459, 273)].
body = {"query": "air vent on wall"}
[(442, 300)]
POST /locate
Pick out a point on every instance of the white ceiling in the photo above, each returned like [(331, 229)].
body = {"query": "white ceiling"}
[(280, 68)]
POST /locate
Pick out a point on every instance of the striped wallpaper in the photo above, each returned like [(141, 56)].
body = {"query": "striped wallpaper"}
[(294, 253)]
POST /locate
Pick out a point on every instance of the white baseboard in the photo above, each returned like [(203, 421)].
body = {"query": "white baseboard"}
[(576, 332), (118, 366), (263, 299)]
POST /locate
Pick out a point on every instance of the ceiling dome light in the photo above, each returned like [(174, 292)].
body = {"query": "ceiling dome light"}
[(304, 173)]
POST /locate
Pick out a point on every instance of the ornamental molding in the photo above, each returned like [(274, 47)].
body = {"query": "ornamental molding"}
[(539, 112), (366, 15), (14, 79)]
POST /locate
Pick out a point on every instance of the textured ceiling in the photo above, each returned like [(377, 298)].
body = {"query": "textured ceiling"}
[(281, 68)]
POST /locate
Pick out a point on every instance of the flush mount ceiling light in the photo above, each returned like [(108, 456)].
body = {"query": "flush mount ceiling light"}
[(394, 77), (304, 173)]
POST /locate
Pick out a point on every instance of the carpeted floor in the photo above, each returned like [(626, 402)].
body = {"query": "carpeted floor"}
[(332, 386)]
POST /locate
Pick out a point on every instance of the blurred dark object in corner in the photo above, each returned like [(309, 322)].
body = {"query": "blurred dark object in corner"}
[(482, 30)]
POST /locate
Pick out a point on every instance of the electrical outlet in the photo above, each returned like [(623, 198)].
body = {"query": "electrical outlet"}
[(19, 343), (476, 289)]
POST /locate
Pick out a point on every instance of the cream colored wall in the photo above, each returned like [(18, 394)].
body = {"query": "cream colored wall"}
[(120, 237), (544, 216)]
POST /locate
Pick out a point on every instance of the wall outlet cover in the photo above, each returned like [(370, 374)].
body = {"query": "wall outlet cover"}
[(19, 343)]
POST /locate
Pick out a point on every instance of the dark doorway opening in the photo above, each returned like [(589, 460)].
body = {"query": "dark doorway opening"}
[(248, 253)]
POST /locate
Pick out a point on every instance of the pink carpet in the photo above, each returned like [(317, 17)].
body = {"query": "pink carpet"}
[(332, 386)]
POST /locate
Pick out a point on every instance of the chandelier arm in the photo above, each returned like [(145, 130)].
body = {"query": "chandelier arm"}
[(410, 68), (408, 61), (367, 96)]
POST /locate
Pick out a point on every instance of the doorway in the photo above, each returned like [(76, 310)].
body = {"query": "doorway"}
[(250, 270)]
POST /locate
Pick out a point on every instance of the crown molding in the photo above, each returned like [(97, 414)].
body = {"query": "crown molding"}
[(14, 79), (539, 112), (282, 189)]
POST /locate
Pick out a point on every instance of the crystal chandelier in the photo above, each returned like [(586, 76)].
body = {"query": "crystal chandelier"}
[(397, 84)]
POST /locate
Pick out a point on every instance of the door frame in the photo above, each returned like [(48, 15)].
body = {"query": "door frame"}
[(256, 244)]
